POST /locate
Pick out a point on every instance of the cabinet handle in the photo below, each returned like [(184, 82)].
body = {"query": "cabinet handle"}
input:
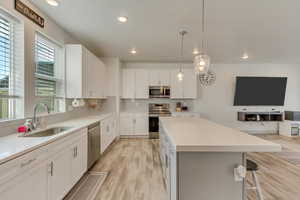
[(28, 162), (51, 169), (76, 151), (167, 161)]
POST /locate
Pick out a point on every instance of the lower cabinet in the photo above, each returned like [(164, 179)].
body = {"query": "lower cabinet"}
[(32, 185), (46, 174), (108, 132), (60, 175), (134, 124)]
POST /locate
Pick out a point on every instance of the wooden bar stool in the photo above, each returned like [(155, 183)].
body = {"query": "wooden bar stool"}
[(252, 167)]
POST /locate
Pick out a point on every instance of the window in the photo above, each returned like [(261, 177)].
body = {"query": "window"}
[(49, 74), (11, 73)]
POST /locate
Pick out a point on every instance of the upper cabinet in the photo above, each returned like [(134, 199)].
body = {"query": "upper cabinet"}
[(185, 89), (85, 73), (135, 83), (159, 77)]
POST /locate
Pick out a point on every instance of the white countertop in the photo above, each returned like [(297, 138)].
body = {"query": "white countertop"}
[(13, 146), (200, 135)]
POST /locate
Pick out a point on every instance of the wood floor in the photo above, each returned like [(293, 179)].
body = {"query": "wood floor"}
[(280, 179), (135, 172)]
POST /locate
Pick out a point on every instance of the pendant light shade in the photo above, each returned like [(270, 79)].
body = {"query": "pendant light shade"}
[(201, 63), (180, 76)]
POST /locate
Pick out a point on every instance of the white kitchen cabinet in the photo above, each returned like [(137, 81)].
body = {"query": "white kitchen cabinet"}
[(60, 174), (185, 89), (108, 132), (126, 124), (135, 83), (141, 84), (132, 124), (189, 84), (78, 164), (141, 124), (85, 73), (128, 83), (154, 77), (159, 77), (32, 185), (164, 76), (47, 173), (176, 85)]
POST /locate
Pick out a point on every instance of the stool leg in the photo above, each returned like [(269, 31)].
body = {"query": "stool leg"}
[(257, 185)]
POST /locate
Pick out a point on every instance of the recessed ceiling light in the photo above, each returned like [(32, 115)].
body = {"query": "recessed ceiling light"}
[(133, 51), (52, 2), (123, 19), (195, 51), (245, 56)]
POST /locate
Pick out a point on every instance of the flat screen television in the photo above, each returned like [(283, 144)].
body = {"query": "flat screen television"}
[(260, 91)]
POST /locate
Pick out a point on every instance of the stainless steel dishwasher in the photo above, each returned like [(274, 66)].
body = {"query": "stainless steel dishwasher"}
[(94, 137)]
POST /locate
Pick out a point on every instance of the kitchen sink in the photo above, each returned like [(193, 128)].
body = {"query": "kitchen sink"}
[(48, 132)]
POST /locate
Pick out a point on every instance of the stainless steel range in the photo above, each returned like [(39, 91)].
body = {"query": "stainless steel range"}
[(156, 111)]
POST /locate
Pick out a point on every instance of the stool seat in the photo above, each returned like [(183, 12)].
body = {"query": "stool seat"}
[(251, 166)]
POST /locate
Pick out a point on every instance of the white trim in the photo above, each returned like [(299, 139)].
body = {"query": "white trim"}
[(49, 39), (10, 17)]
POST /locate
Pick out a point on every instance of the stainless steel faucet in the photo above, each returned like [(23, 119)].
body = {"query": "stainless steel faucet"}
[(35, 121)]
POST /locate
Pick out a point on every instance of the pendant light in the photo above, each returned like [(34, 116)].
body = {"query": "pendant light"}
[(180, 74), (202, 61)]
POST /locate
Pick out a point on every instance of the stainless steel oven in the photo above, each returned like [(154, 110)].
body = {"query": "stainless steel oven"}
[(156, 111), (159, 92)]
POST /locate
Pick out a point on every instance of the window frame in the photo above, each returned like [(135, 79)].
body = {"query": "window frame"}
[(12, 98), (59, 101)]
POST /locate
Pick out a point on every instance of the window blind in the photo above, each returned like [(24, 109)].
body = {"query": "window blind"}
[(46, 82), (5, 56)]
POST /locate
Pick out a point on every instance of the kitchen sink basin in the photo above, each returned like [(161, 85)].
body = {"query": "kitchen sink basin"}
[(48, 132)]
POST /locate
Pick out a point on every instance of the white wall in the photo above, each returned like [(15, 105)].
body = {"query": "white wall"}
[(216, 102), (52, 30)]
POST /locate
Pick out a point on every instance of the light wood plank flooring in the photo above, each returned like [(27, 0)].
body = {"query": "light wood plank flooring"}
[(280, 179), (135, 172)]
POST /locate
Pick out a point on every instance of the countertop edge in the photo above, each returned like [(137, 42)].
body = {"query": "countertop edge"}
[(58, 137)]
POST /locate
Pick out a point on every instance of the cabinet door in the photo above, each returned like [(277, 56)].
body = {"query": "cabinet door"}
[(141, 84), (141, 124), (91, 75), (164, 76), (31, 185), (126, 124), (103, 80), (60, 176), (189, 84), (176, 86), (128, 84), (77, 161), (103, 135), (154, 77)]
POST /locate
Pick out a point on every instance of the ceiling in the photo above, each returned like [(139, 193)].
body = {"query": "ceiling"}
[(268, 30)]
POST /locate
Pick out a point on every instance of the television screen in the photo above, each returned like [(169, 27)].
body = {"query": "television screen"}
[(260, 91)]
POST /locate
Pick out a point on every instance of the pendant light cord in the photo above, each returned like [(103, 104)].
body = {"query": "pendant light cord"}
[(203, 24), (182, 33)]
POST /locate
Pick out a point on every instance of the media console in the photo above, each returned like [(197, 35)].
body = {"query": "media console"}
[(261, 116)]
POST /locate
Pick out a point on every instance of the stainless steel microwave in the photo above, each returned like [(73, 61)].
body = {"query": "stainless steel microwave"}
[(159, 92)]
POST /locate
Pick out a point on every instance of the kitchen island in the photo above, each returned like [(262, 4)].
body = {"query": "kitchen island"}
[(199, 157)]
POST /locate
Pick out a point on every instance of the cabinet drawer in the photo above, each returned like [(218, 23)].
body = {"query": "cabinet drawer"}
[(25, 162)]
